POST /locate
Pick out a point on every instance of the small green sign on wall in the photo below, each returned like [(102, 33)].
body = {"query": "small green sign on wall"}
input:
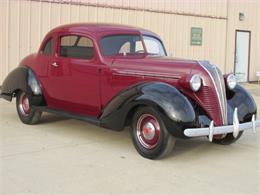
[(196, 36)]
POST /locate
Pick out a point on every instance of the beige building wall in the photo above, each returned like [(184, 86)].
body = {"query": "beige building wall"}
[(24, 23), (251, 9)]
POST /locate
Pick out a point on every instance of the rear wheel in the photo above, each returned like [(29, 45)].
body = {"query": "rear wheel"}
[(26, 114), (150, 137), (226, 139)]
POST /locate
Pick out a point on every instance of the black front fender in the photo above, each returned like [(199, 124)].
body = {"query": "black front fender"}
[(175, 108), (242, 100)]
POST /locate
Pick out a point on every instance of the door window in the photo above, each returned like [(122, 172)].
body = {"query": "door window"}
[(68, 40), (80, 47)]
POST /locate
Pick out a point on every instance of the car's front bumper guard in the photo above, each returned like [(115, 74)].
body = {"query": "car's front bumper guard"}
[(235, 128)]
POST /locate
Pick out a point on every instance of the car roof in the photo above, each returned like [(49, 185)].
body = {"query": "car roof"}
[(101, 29)]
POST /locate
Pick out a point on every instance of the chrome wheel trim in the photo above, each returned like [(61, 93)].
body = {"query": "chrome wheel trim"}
[(24, 106), (148, 131)]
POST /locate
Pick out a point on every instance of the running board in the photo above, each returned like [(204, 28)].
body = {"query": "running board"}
[(85, 118)]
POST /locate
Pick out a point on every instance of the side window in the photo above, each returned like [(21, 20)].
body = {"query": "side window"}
[(72, 46), (68, 40), (48, 48), (125, 48), (85, 42)]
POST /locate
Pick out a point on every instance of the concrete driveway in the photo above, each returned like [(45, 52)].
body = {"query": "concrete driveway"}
[(65, 156)]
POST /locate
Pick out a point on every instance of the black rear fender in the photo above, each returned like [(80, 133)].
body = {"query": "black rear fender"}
[(23, 79), (242, 100)]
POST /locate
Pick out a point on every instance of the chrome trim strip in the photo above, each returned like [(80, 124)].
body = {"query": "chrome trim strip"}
[(223, 107), (223, 94), (143, 73), (235, 128)]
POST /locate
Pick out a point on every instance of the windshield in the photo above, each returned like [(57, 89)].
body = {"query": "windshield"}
[(154, 46), (121, 45), (130, 45)]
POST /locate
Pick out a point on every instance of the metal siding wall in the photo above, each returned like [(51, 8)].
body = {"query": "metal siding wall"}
[(4, 47), (251, 23), (14, 33), (204, 7), (24, 29), (256, 66), (35, 25), (25, 23)]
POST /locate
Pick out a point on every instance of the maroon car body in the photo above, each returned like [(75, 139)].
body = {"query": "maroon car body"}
[(102, 88), (111, 74)]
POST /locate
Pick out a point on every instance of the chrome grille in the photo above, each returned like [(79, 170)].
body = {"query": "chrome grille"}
[(219, 83)]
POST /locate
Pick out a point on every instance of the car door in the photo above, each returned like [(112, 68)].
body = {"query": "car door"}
[(44, 59), (75, 76)]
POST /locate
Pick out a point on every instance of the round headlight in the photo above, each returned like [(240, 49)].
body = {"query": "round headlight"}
[(195, 82), (231, 81)]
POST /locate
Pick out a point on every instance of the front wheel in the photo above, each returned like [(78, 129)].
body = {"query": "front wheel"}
[(26, 114), (149, 134), (226, 139)]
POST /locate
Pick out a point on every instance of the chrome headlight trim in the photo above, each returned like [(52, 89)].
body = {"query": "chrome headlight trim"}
[(195, 82), (231, 81)]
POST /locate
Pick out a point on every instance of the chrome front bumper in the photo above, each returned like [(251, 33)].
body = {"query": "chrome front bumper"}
[(235, 128)]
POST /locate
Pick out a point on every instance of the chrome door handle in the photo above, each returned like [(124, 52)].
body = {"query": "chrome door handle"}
[(55, 64)]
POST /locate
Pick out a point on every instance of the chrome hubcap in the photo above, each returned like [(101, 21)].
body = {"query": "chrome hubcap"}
[(148, 131), (24, 105)]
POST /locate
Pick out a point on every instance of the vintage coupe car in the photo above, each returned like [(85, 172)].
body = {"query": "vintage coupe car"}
[(116, 76)]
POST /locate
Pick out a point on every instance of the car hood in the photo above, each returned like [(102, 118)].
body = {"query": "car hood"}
[(163, 67), (176, 72)]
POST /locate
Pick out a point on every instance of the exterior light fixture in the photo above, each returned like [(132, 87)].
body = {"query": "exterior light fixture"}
[(241, 16)]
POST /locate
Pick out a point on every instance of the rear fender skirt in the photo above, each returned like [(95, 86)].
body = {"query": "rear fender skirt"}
[(176, 110), (22, 78), (242, 100)]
